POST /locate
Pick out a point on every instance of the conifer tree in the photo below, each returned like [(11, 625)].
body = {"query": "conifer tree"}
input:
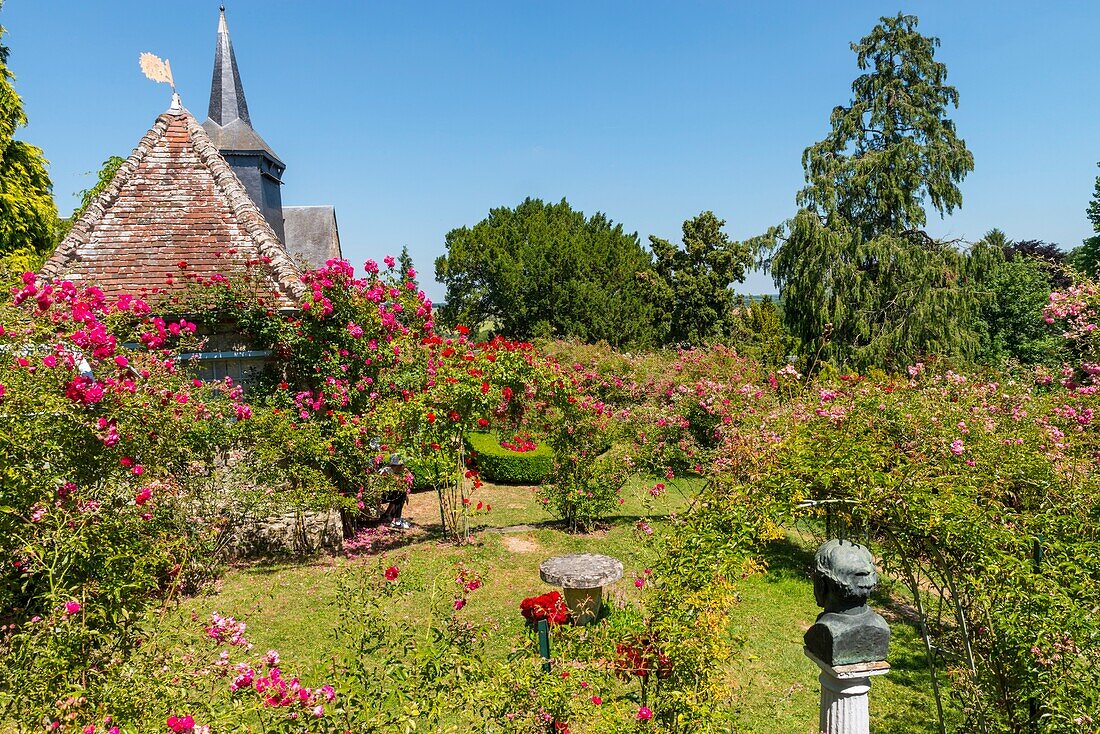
[(696, 279), (861, 282), (28, 216), (547, 270), (1086, 258), (405, 265)]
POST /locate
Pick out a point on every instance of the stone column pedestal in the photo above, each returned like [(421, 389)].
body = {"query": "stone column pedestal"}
[(584, 604), (844, 695)]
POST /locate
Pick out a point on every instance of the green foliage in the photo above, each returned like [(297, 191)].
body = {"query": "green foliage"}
[(106, 173), (757, 332), (1016, 288), (406, 268), (1086, 258), (543, 270), (470, 387), (696, 280), (861, 283), (28, 216), (690, 602), (110, 496), (590, 469), (504, 466), (893, 146), (958, 482)]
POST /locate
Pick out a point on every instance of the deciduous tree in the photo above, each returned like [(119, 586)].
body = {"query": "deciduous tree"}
[(1015, 288), (28, 216), (546, 270), (106, 172)]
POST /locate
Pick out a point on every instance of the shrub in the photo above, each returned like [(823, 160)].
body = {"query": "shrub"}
[(505, 466), (982, 497)]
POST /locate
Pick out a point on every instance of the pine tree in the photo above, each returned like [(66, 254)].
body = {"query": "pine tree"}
[(697, 279), (28, 216), (1086, 258), (861, 282), (405, 265)]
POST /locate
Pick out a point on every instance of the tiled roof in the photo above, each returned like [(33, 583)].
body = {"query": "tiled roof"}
[(311, 234), (174, 200)]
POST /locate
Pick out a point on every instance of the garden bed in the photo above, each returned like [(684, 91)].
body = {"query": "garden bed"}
[(502, 465)]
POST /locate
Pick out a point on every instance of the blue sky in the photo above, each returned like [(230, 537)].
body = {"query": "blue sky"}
[(414, 118)]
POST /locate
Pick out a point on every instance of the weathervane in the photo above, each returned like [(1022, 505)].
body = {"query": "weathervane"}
[(161, 71)]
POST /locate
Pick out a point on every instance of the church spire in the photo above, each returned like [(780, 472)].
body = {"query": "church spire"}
[(227, 101), (228, 126)]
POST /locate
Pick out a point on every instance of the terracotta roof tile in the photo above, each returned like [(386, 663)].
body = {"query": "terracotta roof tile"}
[(174, 199)]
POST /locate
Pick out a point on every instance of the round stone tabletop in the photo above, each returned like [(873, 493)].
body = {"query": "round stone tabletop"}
[(581, 571)]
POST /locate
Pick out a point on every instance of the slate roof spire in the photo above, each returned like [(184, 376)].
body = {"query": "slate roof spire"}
[(227, 101), (230, 128)]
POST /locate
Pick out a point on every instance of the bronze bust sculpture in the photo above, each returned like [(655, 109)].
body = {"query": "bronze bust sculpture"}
[(848, 631)]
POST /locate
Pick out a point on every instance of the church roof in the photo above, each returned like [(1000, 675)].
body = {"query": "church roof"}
[(312, 234), (174, 208), (228, 124), (237, 137)]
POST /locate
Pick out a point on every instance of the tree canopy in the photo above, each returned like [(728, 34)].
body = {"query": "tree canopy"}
[(1086, 258), (860, 280), (542, 270), (28, 216), (106, 173), (1014, 288), (695, 280)]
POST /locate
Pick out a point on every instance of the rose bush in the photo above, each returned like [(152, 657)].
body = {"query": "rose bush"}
[(108, 450)]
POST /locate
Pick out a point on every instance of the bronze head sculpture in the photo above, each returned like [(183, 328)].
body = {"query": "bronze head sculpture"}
[(848, 632)]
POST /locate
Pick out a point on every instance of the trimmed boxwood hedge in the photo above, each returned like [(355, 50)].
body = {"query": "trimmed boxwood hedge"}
[(504, 466)]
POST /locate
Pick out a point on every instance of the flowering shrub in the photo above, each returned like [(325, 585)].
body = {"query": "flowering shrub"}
[(107, 451), (640, 658), (520, 443), (470, 387), (549, 606), (1075, 310), (981, 496)]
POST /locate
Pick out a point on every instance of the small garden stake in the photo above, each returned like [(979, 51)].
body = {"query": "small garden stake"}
[(1032, 702), (544, 645)]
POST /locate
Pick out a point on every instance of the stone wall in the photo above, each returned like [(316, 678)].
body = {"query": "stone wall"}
[(295, 533)]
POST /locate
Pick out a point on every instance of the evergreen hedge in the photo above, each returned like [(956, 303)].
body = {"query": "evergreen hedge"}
[(504, 466)]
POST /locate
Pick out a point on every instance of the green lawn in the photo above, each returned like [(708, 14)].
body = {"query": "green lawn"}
[(291, 607)]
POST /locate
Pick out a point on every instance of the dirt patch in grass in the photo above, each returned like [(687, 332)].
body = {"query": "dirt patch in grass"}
[(518, 544)]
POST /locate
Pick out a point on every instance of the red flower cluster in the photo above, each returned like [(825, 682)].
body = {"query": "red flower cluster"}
[(182, 725), (640, 657), (550, 607), (520, 443)]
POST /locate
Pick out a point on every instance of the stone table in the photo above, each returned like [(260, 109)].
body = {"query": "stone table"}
[(582, 577)]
